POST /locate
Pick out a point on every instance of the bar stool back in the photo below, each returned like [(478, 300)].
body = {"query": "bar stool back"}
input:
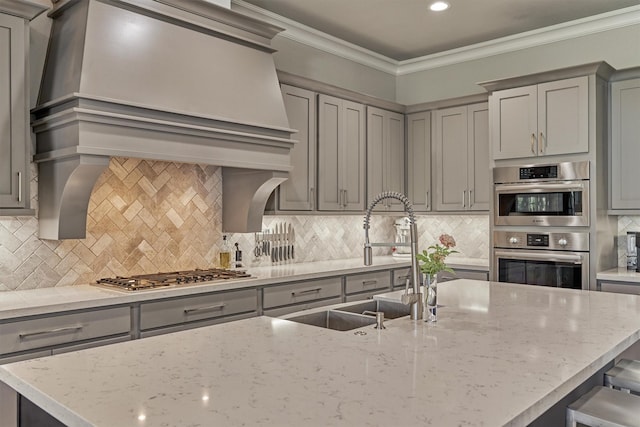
[(605, 407), (625, 376)]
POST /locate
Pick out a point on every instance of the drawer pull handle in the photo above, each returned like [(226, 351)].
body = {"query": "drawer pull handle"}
[(403, 278), (206, 308), (369, 282), (305, 292), (24, 336), (19, 187), (533, 140)]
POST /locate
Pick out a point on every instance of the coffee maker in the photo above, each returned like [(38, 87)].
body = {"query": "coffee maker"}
[(402, 226), (632, 251)]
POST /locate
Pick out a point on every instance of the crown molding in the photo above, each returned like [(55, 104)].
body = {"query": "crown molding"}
[(316, 39), (24, 9), (555, 33)]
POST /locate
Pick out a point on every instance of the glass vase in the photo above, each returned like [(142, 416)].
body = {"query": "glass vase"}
[(430, 298)]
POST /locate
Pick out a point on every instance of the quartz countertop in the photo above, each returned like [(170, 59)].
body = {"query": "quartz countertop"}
[(620, 274), (14, 304), (499, 355)]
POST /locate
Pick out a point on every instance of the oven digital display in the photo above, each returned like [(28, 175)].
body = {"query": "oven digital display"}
[(538, 240), (539, 172)]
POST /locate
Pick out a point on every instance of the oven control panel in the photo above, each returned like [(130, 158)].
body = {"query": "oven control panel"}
[(538, 240), (539, 172), (576, 241)]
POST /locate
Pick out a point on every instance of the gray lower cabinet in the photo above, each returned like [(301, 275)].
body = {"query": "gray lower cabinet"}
[(461, 147), (463, 273), (620, 287), (181, 313), (625, 145), (341, 155), (546, 119), (298, 192), (278, 300), (42, 335), (370, 284), (419, 160), (400, 277), (15, 143), (385, 156)]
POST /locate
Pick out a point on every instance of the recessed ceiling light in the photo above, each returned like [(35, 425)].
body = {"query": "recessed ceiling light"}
[(439, 6)]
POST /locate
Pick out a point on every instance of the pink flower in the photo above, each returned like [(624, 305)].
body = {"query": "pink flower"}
[(447, 240)]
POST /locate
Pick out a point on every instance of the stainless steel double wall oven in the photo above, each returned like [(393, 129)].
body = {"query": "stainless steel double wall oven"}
[(541, 216)]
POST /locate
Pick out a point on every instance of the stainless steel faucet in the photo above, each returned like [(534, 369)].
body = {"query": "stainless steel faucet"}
[(415, 299)]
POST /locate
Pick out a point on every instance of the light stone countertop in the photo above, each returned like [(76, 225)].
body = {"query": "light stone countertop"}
[(499, 355), (14, 304), (620, 274)]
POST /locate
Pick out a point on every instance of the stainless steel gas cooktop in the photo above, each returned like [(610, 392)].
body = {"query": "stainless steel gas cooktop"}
[(177, 278)]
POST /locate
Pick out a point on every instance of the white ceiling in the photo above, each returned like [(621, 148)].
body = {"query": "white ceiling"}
[(405, 29)]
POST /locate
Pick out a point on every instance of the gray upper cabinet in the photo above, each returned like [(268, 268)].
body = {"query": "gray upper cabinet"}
[(298, 192), (341, 154), (462, 158), (479, 180), (541, 120), (419, 160), (625, 144), (385, 156), (15, 145)]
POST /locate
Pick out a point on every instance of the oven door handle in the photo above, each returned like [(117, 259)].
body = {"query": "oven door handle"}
[(576, 259), (538, 188)]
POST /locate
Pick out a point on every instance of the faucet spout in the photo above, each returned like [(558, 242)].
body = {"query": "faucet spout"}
[(415, 298)]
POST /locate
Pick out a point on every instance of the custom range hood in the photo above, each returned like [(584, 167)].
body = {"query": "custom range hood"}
[(173, 80)]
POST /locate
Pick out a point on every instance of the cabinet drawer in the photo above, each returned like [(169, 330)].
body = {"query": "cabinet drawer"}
[(445, 276), (400, 277), (197, 307), (620, 287), (62, 329), (368, 281), (275, 296)]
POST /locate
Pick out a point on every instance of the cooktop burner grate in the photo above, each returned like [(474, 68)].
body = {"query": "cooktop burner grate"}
[(157, 280)]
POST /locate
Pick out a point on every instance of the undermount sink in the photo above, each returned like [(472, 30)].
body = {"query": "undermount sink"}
[(334, 319), (391, 310), (351, 316)]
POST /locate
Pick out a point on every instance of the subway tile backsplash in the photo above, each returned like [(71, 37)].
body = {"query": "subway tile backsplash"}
[(147, 216)]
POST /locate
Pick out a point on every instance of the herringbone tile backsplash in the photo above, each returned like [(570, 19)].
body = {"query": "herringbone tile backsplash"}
[(147, 216), (625, 224)]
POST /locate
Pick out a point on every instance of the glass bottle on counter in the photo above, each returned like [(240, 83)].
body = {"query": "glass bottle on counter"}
[(238, 256), (225, 253)]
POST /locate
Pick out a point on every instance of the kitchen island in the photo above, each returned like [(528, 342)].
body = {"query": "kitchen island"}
[(499, 355)]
